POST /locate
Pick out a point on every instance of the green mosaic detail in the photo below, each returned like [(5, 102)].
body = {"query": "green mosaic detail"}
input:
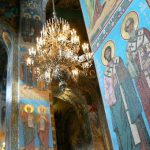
[(110, 25)]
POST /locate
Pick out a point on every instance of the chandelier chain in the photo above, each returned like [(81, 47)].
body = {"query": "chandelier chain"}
[(54, 11)]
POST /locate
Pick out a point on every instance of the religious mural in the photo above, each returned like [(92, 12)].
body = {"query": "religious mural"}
[(35, 125), (98, 12), (31, 22), (127, 122), (138, 58), (26, 72), (122, 63), (30, 86), (34, 109), (31, 27)]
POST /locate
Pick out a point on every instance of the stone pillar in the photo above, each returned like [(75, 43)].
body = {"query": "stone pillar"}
[(10, 42), (14, 112)]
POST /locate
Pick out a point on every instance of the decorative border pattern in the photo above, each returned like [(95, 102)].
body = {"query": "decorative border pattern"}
[(52, 121), (15, 98), (110, 25)]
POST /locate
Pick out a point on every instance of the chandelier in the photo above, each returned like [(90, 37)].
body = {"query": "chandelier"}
[(59, 52)]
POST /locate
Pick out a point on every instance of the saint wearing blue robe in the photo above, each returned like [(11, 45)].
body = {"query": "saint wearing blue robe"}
[(125, 106)]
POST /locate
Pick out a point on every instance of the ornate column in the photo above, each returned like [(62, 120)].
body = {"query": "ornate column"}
[(32, 93), (10, 42)]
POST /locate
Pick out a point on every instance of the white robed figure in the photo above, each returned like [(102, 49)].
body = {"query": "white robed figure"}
[(138, 56), (122, 99)]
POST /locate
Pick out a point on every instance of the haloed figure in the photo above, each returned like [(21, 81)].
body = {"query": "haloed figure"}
[(27, 116), (108, 54), (37, 25), (124, 104), (43, 127), (27, 73), (26, 25), (138, 57)]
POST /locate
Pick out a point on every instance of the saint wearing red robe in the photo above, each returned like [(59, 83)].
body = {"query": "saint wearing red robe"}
[(27, 117), (43, 127)]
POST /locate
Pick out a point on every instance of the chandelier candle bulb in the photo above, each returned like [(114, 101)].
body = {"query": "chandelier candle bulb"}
[(60, 53), (29, 61)]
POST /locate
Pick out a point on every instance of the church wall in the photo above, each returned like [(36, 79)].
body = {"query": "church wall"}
[(124, 80), (35, 128), (9, 40)]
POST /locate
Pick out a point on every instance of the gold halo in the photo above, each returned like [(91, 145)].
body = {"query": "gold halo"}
[(27, 14), (92, 73), (37, 17), (135, 17), (31, 107), (6, 38), (42, 107), (112, 45)]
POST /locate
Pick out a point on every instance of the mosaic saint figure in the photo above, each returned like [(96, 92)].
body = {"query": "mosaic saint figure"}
[(98, 10), (26, 73), (122, 99), (138, 57), (27, 117), (37, 25), (43, 127), (94, 10), (41, 85), (26, 27)]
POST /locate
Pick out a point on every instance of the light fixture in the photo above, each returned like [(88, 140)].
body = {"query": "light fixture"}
[(58, 50)]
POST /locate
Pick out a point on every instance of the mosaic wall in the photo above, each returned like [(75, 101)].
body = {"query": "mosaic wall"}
[(35, 124), (31, 125), (9, 41), (9, 11), (31, 20), (122, 63), (98, 14)]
